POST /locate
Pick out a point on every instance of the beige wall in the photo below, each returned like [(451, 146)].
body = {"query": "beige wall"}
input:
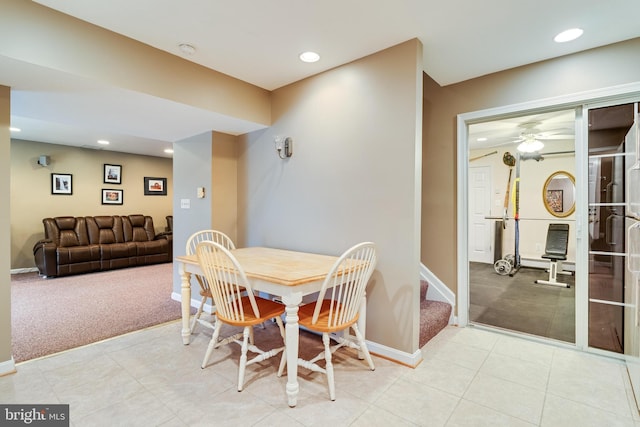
[(31, 198), (224, 185), (598, 68), (41, 36), (354, 176), (6, 362)]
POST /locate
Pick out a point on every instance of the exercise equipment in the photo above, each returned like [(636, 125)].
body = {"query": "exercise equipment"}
[(510, 264), (516, 219), (556, 251), (484, 155), (506, 265), (510, 161)]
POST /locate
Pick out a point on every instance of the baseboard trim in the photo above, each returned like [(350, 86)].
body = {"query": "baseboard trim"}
[(394, 355), (8, 367), (208, 308), (24, 270)]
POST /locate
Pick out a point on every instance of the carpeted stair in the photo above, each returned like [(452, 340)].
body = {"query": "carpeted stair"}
[(434, 315)]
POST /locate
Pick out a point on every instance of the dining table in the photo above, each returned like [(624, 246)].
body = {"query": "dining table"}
[(288, 275)]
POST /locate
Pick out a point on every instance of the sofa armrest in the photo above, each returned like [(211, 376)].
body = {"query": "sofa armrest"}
[(168, 236), (164, 235), (44, 252)]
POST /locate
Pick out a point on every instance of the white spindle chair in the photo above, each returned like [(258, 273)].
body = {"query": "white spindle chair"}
[(205, 292), (337, 309), (236, 305)]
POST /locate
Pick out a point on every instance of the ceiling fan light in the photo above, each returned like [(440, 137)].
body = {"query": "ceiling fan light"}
[(568, 35), (530, 146)]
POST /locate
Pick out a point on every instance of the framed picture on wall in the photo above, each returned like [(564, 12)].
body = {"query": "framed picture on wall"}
[(112, 174), (155, 186), (554, 200), (111, 196), (61, 183)]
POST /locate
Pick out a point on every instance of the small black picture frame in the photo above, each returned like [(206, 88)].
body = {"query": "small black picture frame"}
[(112, 196), (112, 174), (61, 183), (155, 186)]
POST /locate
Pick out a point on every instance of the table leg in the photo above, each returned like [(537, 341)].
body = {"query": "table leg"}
[(362, 322), (185, 302), (292, 336)]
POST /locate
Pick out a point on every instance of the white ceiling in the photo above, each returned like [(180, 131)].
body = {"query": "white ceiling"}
[(259, 41)]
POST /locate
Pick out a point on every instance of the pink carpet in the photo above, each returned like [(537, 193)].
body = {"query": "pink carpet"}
[(56, 314)]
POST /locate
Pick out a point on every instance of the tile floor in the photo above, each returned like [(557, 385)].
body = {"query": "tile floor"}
[(469, 377)]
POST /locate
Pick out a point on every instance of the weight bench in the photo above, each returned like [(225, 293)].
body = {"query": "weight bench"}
[(556, 252)]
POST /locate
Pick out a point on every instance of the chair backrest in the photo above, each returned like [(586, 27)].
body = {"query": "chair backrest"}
[(557, 239), (227, 281), (138, 228), (208, 235), (345, 284)]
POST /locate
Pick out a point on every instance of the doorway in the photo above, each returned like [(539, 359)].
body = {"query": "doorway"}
[(521, 155)]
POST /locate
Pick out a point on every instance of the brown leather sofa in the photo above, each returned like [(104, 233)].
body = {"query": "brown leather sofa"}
[(74, 245)]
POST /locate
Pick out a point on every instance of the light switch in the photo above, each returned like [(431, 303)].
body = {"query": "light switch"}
[(200, 192), (185, 203)]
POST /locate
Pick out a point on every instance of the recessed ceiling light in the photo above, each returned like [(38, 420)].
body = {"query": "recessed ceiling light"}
[(568, 35), (309, 57), (15, 129), (169, 151), (103, 142), (481, 139), (187, 49)]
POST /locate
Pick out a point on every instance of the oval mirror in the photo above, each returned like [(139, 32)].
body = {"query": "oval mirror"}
[(559, 194)]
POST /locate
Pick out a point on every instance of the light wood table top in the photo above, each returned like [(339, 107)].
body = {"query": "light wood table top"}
[(288, 268)]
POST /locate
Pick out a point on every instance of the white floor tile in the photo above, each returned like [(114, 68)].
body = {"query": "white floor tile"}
[(516, 400), (530, 374), (418, 403), (561, 412), (469, 414), (469, 377)]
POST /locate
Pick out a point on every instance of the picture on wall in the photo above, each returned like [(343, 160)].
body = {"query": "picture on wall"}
[(112, 174), (61, 183), (554, 200), (155, 186), (111, 196)]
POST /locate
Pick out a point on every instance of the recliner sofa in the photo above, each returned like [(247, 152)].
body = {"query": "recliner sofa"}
[(74, 245)]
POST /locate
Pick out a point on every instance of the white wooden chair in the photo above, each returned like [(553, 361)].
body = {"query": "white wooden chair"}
[(236, 305), (205, 292), (337, 309)]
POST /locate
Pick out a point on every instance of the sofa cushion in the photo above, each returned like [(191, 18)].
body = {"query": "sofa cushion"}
[(66, 231), (77, 254), (138, 228), (105, 229)]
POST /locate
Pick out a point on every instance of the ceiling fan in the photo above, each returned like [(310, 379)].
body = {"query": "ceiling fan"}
[(531, 138)]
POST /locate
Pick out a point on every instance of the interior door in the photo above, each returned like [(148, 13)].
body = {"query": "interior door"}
[(480, 245)]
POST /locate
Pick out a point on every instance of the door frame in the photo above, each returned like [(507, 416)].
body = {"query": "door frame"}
[(579, 102)]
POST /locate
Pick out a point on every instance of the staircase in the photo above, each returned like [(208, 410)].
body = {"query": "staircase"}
[(434, 315)]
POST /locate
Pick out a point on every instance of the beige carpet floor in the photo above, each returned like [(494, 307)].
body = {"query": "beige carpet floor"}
[(56, 314)]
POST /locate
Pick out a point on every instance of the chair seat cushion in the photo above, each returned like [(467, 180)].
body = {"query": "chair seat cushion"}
[(305, 315), (268, 310), (554, 257)]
